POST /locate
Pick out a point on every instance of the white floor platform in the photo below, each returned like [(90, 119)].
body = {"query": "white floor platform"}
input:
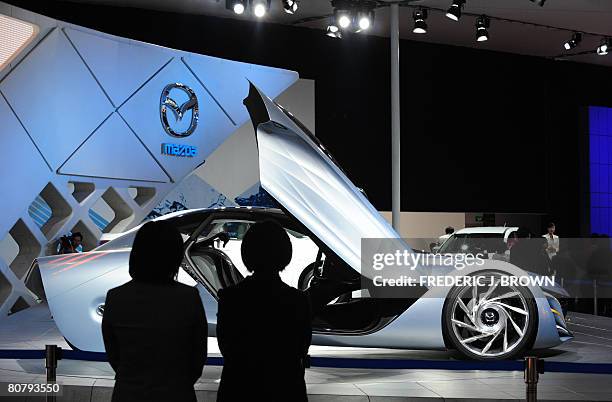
[(93, 381)]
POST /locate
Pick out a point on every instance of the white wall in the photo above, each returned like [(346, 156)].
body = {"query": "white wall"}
[(80, 106)]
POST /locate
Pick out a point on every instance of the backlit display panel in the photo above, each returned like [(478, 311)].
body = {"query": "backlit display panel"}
[(14, 36)]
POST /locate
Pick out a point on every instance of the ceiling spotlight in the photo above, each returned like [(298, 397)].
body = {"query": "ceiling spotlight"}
[(604, 47), (290, 6), (364, 19), (260, 7), (419, 16), (539, 2), (482, 25), (343, 18), (454, 11), (333, 31), (237, 6), (574, 41)]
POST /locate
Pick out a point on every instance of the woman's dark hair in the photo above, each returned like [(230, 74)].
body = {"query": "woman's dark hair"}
[(157, 253), (550, 225), (266, 247)]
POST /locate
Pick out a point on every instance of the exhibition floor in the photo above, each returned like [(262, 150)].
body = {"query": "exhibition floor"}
[(92, 381)]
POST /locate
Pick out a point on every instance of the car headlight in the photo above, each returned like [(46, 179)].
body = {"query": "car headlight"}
[(557, 311)]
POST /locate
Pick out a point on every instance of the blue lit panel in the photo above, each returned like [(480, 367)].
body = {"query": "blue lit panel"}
[(600, 168)]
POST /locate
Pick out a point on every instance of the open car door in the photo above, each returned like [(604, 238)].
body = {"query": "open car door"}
[(298, 172)]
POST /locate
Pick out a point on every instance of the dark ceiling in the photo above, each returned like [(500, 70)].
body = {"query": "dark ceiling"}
[(594, 16)]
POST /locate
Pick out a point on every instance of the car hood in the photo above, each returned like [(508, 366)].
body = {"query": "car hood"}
[(298, 172)]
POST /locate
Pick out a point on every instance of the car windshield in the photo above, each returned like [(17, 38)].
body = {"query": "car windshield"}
[(474, 243)]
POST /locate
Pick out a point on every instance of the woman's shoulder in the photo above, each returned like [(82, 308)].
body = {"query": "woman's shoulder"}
[(142, 286), (182, 288), (294, 292)]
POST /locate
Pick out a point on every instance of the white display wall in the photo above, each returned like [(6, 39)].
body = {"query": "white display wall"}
[(81, 132)]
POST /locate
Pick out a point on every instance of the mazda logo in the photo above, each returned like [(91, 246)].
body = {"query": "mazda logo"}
[(166, 103)]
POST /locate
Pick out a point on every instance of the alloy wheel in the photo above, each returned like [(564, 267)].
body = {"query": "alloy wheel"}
[(492, 320)]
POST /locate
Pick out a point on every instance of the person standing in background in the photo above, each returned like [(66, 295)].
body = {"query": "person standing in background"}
[(447, 233), (553, 240), (71, 243)]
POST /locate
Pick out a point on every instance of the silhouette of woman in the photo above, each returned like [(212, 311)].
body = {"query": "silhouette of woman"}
[(263, 325), (154, 328)]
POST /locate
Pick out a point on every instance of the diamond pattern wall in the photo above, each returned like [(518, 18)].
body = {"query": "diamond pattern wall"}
[(56, 98), (80, 124)]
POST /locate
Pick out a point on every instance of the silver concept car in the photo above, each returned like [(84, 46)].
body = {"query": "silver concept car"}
[(326, 217)]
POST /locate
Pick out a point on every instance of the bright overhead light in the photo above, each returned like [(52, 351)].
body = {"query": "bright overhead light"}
[(351, 16), (290, 6), (364, 23), (604, 47), (344, 21), (260, 7), (420, 26), (259, 10), (237, 6), (454, 11), (482, 25), (364, 19), (343, 18), (574, 41)]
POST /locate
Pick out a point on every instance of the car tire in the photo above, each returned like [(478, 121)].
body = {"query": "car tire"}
[(482, 330)]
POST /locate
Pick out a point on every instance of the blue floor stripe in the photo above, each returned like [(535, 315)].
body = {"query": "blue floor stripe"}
[(354, 363)]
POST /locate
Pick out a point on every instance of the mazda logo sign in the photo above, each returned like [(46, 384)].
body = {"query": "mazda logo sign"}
[(166, 103)]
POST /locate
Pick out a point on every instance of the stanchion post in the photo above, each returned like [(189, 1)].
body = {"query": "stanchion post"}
[(594, 296), (533, 368), (53, 353), (396, 205)]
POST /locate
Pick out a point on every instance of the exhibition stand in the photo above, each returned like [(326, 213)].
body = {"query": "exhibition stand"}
[(109, 132)]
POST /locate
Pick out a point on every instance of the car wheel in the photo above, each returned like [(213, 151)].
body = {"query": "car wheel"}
[(491, 322)]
